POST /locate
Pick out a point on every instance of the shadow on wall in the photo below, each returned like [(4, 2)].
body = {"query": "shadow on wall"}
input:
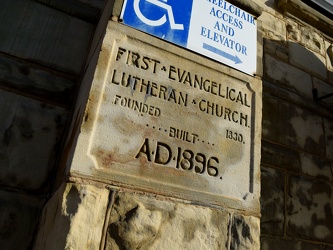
[(297, 143), (296, 68)]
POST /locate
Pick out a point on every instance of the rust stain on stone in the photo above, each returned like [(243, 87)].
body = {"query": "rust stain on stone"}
[(125, 126)]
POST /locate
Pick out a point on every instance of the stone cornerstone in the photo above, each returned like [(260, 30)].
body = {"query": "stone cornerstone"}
[(168, 153)]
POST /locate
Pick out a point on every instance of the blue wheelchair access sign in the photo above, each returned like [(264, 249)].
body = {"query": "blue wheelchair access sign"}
[(216, 29), (167, 20)]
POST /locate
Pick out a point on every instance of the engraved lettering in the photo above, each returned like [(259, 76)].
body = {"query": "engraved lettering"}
[(163, 153), (145, 61), (138, 61), (182, 135), (230, 95), (120, 52), (137, 106), (207, 85), (172, 70), (225, 113), (181, 159), (151, 89), (243, 119), (231, 135), (144, 150), (133, 59)]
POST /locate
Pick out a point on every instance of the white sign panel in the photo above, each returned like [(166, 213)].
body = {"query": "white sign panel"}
[(214, 28)]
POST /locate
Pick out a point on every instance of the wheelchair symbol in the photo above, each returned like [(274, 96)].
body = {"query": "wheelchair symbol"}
[(160, 21)]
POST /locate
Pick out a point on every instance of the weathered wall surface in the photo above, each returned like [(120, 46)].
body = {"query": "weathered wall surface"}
[(43, 47), (174, 225), (297, 198), (132, 220)]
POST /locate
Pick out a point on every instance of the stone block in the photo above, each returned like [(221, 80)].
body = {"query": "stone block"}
[(35, 81), (269, 6), (328, 126), (288, 76), (323, 88), (84, 10), (143, 222), (275, 126), (164, 120), (309, 209), (272, 201), (73, 218), (309, 61), (41, 34), (245, 232), (329, 60), (30, 134), (289, 125), (308, 128), (278, 244), (276, 48), (293, 31), (312, 40), (99, 4), (19, 214), (272, 27), (281, 157), (316, 167), (330, 76), (329, 55)]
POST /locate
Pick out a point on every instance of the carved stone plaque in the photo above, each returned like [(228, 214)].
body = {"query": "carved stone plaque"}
[(160, 121)]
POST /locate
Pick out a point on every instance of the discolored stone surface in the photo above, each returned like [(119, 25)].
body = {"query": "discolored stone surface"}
[(161, 119), (278, 244), (35, 81), (73, 218), (142, 222), (293, 31), (245, 232), (272, 201), (273, 27), (323, 88), (308, 60), (44, 35), (310, 38), (19, 214), (277, 49), (291, 126), (288, 76), (309, 209), (30, 134), (281, 157), (316, 167), (328, 126)]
